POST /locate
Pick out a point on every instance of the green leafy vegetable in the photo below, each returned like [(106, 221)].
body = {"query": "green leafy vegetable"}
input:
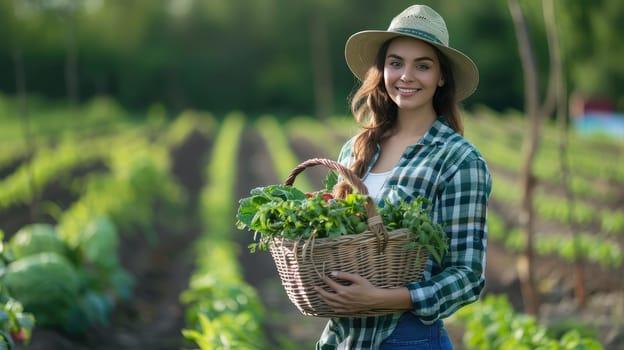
[(284, 211), (47, 284), (416, 218), (37, 238), (99, 242)]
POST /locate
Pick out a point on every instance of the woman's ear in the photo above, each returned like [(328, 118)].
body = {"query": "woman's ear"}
[(441, 82)]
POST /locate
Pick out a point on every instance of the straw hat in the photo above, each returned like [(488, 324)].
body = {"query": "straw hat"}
[(420, 22)]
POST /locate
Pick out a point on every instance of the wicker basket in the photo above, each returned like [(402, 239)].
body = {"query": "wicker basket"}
[(377, 255)]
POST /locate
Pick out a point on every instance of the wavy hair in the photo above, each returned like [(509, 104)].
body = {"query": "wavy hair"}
[(376, 113)]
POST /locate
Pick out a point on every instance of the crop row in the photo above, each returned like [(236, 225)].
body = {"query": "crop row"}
[(67, 273), (493, 324), (587, 246), (501, 149), (223, 311), (77, 257), (568, 247), (509, 130), (558, 209)]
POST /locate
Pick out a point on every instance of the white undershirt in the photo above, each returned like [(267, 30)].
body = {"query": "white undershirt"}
[(374, 182)]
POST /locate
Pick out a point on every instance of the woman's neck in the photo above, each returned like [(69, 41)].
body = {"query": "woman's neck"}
[(414, 123)]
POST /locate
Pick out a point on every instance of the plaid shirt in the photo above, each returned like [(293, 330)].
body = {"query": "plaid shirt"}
[(449, 171)]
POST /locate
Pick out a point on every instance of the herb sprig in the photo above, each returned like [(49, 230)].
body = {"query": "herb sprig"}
[(284, 211)]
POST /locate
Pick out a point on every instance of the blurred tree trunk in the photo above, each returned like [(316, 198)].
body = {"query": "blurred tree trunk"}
[(323, 86), (20, 82), (535, 115), (71, 58), (562, 120)]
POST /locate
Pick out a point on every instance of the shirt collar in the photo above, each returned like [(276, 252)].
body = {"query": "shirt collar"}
[(438, 133)]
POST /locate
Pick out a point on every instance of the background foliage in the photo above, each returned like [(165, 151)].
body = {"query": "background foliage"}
[(257, 55)]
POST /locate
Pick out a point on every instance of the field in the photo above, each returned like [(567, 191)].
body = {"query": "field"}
[(170, 187)]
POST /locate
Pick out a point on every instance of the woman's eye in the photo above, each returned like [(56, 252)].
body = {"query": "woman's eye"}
[(422, 67), (394, 64)]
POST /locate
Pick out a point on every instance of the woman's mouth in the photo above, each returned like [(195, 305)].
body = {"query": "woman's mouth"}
[(404, 91)]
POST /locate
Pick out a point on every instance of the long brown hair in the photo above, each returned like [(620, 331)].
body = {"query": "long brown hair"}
[(376, 113)]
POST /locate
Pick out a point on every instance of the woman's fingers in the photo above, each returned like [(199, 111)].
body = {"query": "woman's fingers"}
[(347, 276), (346, 298)]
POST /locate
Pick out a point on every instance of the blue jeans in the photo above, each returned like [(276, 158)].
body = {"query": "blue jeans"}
[(412, 334)]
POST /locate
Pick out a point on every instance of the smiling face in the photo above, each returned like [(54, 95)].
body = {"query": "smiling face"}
[(412, 74)]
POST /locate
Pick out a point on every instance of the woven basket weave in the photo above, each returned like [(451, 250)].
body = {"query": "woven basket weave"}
[(376, 254)]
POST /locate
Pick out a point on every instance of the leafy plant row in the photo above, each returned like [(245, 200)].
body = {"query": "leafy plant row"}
[(557, 209), (47, 125), (506, 155), (598, 248), (605, 249), (67, 274), (223, 312), (327, 137), (581, 246), (495, 140), (45, 166), (591, 178), (279, 148), (508, 131), (139, 176), (62, 147), (48, 121), (499, 137), (493, 324)]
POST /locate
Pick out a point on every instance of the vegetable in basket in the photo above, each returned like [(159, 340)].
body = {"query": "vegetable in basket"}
[(287, 212), (312, 234)]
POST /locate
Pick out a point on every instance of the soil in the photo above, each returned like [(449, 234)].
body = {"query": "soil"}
[(154, 318)]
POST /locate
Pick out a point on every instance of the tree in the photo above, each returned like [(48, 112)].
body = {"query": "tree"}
[(589, 34), (319, 48), (536, 113), (65, 11), (562, 120)]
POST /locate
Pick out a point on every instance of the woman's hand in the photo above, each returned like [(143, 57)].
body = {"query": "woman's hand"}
[(361, 295)]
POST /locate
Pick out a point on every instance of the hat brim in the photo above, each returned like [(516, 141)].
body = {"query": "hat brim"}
[(361, 50)]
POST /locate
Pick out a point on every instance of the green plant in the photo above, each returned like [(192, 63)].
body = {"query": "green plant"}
[(222, 310), (227, 331), (493, 324), (284, 211), (70, 287), (47, 284), (37, 238), (278, 145), (15, 324), (414, 217)]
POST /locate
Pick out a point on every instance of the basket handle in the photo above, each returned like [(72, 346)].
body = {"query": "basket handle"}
[(375, 224)]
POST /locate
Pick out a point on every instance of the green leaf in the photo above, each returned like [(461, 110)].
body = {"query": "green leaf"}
[(330, 181)]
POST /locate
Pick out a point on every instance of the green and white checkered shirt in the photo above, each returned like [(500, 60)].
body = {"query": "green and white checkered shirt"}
[(445, 168)]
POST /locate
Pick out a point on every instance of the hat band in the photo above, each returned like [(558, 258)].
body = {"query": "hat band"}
[(419, 33)]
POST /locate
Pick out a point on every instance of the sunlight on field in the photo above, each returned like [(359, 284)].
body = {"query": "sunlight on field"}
[(108, 163)]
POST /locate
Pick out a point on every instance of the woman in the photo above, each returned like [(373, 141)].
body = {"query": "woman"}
[(411, 145)]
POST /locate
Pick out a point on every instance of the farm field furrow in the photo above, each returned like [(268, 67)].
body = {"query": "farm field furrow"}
[(155, 182)]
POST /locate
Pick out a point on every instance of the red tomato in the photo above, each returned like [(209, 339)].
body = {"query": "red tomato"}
[(19, 335)]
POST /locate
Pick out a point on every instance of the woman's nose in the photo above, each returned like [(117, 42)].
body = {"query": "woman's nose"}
[(407, 75)]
